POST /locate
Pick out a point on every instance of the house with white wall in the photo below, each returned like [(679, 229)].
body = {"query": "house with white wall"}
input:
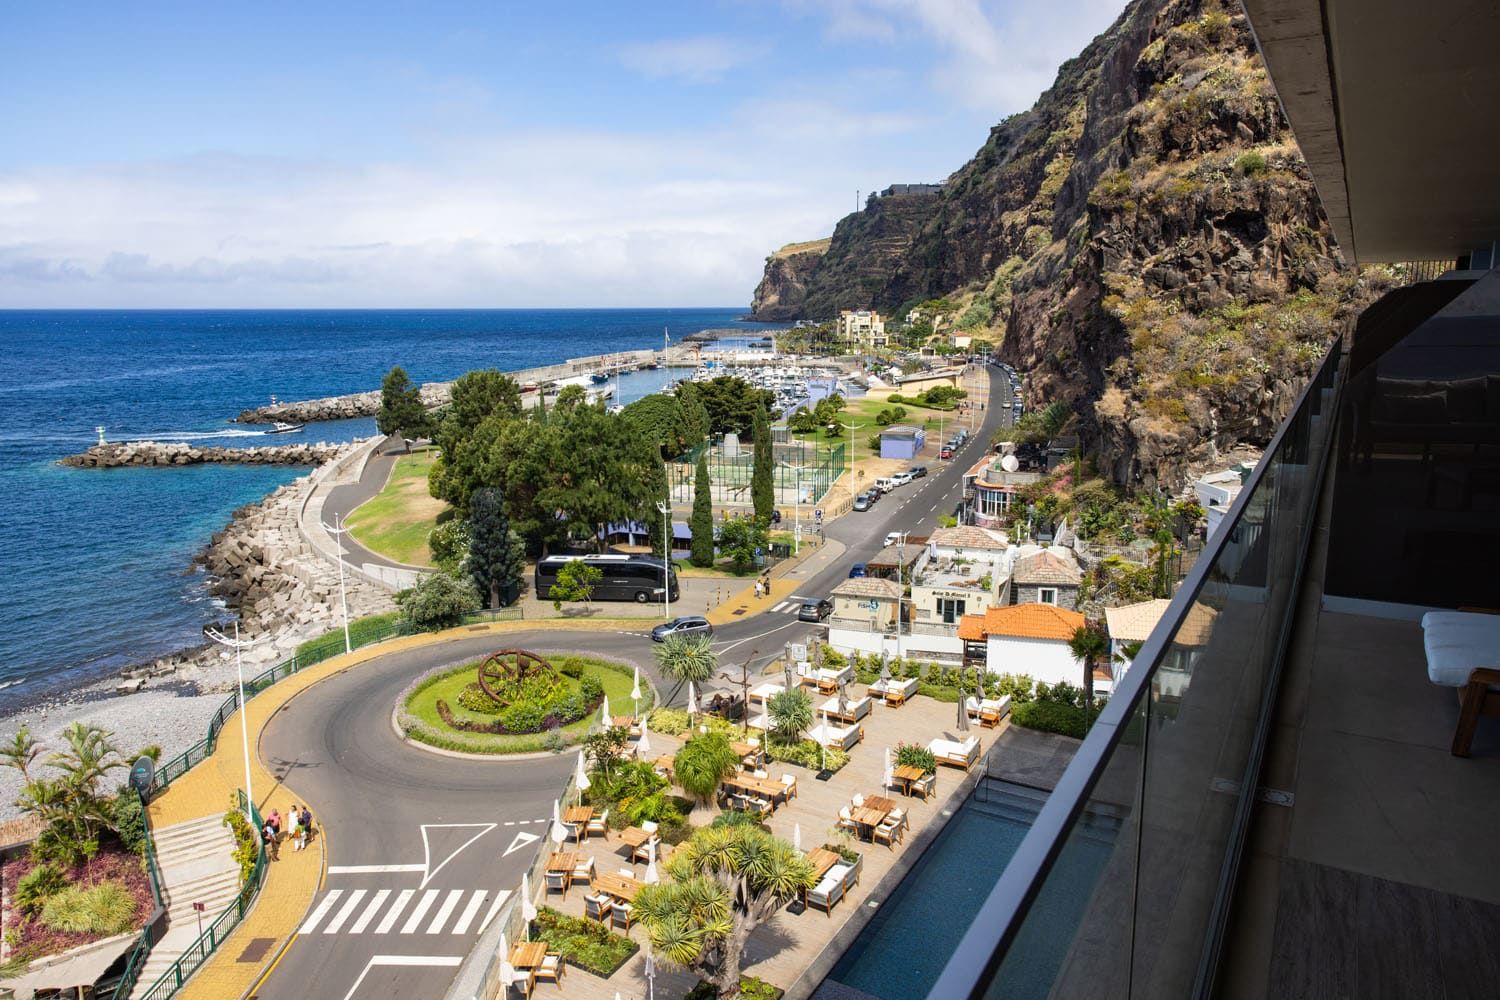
[(1029, 639)]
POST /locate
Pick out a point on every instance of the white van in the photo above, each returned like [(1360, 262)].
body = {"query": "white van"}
[(885, 484)]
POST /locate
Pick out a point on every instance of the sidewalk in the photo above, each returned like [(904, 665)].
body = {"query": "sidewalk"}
[(786, 577), (208, 790)]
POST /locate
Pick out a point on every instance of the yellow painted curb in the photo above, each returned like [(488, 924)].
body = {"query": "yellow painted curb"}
[(745, 604), (291, 882)]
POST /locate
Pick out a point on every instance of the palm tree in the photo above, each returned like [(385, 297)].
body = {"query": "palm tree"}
[(703, 762), (21, 753), (1089, 644), (791, 714), (725, 882), (687, 658)]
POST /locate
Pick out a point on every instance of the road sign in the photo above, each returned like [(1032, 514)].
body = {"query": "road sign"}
[(799, 652), (758, 552), (818, 514)]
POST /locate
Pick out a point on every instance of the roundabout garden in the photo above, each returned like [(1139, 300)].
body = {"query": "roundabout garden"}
[(518, 701)]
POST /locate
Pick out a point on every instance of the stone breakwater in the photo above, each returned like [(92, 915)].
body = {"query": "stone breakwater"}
[(174, 453)]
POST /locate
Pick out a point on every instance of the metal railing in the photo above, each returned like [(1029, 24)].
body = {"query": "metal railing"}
[(170, 981), (324, 648), (155, 927), (1122, 885)]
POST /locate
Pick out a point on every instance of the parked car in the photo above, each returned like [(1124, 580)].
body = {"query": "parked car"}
[(863, 502), (917, 472), (856, 571), (686, 625), (775, 517), (901, 479), (814, 611), (947, 451), (885, 484)]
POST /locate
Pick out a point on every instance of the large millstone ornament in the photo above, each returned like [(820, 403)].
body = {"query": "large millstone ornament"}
[(506, 668)]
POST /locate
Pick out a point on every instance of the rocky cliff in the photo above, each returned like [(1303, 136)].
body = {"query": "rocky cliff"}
[(1145, 243)]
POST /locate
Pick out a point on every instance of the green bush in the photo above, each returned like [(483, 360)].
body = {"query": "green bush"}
[(590, 689), (804, 753), (669, 721), (37, 886), (1251, 164), (916, 755), (449, 543), (833, 659), (474, 699), (585, 943), (751, 988), (106, 908), (128, 820), (554, 741), (362, 632), (437, 601), (1051, 717), (526, 717)]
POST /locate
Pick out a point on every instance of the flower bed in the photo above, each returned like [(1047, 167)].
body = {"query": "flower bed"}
[(435, 708), (587, 944), (27, 932)]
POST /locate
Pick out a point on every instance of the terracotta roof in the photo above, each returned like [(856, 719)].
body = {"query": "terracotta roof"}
[(966, 537), (868, 586), (1134, 622), (1047, 569), (1031, 621), (891, 556), (971, 627)]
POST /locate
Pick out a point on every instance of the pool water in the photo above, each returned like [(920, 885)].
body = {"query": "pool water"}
[(901, 952)]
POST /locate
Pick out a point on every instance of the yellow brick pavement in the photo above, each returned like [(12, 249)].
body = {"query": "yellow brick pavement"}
[(208, 789)]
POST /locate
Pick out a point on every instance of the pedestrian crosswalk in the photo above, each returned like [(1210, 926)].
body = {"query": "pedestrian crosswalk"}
[(410, 911), (788, 607)]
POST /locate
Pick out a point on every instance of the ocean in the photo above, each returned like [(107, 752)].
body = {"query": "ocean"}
[(95, 565)]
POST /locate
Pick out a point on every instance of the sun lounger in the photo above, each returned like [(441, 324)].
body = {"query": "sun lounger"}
[(855, 710), (762, 693), (956, 754), (992, 710), (838, 736), (1463, 652), (894, 692)]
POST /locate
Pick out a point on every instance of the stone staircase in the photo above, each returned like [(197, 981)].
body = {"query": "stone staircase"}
[(197, 864)]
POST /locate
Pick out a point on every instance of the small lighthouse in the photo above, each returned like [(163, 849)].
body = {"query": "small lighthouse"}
[(100, 431)]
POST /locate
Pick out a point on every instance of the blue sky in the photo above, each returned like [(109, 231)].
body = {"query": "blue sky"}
[(445, 154)]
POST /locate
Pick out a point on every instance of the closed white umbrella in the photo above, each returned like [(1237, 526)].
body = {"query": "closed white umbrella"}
[(797, 836), (581, 779), (528, 908), (635, 691), (963, 709), (651, 875), (692, 705), (644, 746), (507, 972), (559, 832), (604, 718), (889, 777)]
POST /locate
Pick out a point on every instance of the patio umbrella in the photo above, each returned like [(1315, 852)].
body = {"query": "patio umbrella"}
[(885, 669), (528, 908), (604, 718), (635, 691), (651, 877), (559, 832), (692, 705), (644, 746), (963, 710), (789, 671), (843, 695), (888, 776), (507, 973), (581, 779), (796, 836)]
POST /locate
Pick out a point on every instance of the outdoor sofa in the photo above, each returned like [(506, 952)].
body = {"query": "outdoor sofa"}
[(956, 754), (856, 710), (762, 693), (842, 737), (1463, 652), (988, 711), (835, 885), (893, 691)]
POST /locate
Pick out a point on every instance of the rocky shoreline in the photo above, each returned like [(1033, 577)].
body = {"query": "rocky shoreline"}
[(176, 453), (356, 404)]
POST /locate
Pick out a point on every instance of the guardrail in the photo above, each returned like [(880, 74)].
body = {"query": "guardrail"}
[(208, 942)]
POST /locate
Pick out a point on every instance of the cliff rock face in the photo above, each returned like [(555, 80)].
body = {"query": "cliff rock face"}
[(1145, 243), (782, 292)]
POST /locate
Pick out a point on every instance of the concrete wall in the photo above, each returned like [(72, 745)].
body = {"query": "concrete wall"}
[(1044, 659)]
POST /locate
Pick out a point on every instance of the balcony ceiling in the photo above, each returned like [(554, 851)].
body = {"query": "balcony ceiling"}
[(1396, 105)]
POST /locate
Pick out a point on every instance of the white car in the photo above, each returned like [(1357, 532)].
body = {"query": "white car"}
[(885, 484), (901, 478)]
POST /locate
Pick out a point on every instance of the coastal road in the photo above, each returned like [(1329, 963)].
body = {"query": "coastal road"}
[(422, 847)]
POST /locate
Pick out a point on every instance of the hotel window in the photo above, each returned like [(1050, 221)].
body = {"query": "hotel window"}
[(1047, 595), (951, 609)]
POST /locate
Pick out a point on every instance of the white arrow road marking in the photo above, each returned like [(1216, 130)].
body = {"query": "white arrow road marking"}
[(419, 961), (483, 829), (522, 839)]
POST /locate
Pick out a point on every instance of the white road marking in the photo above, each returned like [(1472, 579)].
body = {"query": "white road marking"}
[(423, 905), (522, 839), (467, 916), (350, 905), (445, 911), (483, 828), (421, 961), (370, 911), (778, 609), (500, 899), (311, 923), (394, 913), (373, 869)]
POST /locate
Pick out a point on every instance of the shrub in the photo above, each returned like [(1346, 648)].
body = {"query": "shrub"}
[(804, 753), (751, 988), (585, 943), (246, 841), (590, 689), (791, 714), (1251, 164), (525, 717), (915, 755), (703, 762), (884, 418), (669, 721), (555, 741), (449, 543), (833, 659), (1051, 717), (437, 601), (895, 397), (106, 908), (128, 820), (474, 699), (39, 885)]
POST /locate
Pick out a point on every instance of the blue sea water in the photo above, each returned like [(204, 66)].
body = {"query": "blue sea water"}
[(95, 564)]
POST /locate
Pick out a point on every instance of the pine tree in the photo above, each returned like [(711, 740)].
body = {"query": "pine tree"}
[(702, 523), (762, 487), (495, 552), (401, 410)]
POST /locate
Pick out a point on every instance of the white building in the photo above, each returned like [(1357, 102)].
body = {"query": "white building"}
[(1029, 639), (862, 329), (1216, 492), (969, 544)]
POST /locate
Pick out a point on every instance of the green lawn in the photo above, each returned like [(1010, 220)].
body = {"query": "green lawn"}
[(421, 705), (396, 521)]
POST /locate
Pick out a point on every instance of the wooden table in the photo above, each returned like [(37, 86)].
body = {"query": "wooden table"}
[(873, 812), (664, 763), (767, 788), (579, 816), (746, 750), (624, 721), (617, 886), (528, 954), (908, 775), (562, 861), (822, 859), (635, 838)]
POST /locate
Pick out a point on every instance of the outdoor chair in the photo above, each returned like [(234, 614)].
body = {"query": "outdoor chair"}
[(846, 820), (600, 825), (649, 826), (583, 871), (551, 968), (557, 881), (858, 800), (761, 807), (926, 786), (1463, 652), (790, 781), (643, 852), (759, 773), (621, 915), (597, 907), (889, 831), (574, 831)]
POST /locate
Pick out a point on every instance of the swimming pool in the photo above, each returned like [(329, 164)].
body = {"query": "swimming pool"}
[(902, 950)]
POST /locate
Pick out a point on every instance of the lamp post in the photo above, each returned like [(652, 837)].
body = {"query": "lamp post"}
[(237, 644), (744, 683), (339, 531), (900, 589), (666, 570)]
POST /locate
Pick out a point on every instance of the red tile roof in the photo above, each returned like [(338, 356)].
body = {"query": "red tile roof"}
[(1027, 621)]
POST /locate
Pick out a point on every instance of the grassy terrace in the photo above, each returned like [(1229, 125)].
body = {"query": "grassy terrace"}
[(396, 521)]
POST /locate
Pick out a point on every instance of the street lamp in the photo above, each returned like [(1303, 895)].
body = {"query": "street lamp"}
[(744, 682), (666, 570), (900, 590), (237, 644), (339, 531)]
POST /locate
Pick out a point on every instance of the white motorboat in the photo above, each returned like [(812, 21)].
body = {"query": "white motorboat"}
[(278, 427)]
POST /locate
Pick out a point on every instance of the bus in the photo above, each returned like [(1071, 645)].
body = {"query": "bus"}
[(626, 577)]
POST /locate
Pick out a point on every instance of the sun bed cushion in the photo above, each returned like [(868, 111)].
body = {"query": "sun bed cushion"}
[(766, 691), (999, 705), (951, 748), (1458, 642), (857, 708)]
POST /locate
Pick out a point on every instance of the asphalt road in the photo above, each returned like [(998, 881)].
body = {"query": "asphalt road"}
[(424, 848)]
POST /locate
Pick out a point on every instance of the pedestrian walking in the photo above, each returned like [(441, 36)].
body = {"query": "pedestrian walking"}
[(268, 834), (306, 826), (294, 824), (757, 590)]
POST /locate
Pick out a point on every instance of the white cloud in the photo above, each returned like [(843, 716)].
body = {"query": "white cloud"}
[(703, 59)]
